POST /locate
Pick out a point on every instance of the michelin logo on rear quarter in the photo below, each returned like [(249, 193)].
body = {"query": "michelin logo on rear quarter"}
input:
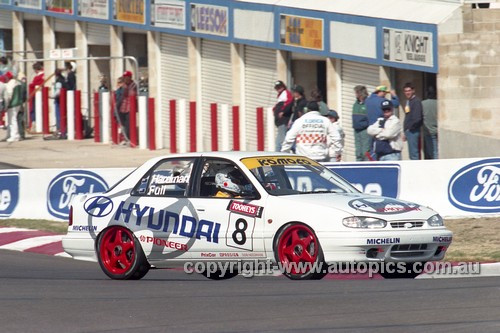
[(476, 187), (9, 193), (65, 186)]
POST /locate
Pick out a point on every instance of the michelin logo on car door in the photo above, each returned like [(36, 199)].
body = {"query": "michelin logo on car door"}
[(9, 193)]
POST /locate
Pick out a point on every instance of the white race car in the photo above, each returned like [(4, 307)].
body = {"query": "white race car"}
[(237, 206)]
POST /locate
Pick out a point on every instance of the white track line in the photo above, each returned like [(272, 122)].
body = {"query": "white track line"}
[(9, 229), (31, 242)]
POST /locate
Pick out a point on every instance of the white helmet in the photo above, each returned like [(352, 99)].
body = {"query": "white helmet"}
[(230, 179)]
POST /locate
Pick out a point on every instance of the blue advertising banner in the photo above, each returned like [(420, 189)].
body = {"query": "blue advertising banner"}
[(377, 179), (9, 193), (476, 187)]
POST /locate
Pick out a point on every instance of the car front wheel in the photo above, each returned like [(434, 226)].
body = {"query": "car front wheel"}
[(120, 255), (298, 252)]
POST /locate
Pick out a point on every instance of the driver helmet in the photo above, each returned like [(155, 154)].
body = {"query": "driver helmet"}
[(230, 179)]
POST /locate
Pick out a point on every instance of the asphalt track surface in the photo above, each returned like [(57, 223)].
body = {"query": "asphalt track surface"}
[(41, 293)]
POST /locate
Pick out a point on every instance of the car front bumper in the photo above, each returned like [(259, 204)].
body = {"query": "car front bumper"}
[(388, 246)]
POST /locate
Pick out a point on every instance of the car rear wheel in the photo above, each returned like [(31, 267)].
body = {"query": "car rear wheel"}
[(299, 253), (120, 255)]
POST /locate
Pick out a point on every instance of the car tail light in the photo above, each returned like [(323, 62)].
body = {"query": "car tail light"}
[(70, 221)]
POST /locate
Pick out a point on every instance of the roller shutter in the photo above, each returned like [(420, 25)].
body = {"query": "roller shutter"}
[(98, 34), (61, 25), (260, 73), (353, 74), (174, 80), (216, 84), (5, 19)]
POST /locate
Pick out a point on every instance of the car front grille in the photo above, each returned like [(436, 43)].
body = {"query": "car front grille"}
[(409, 250), (406, 224)]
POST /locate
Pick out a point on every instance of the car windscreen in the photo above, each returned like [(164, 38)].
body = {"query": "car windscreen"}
[(287, 175)]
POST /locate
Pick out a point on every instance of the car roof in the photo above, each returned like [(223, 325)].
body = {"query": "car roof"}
[(230, 155)]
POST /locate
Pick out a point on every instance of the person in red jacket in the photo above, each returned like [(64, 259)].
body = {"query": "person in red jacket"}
[(36, 82)]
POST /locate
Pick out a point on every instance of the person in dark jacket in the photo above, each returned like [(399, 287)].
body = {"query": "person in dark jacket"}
[(280, 120), (374, 101), (413, 121), (360, 123), (70, 76), (295, 110)]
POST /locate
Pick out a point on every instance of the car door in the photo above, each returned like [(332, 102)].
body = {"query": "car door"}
[(162, 218), (238, 216)]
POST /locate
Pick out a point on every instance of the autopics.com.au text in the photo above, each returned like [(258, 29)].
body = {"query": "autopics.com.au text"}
[(260, 268)]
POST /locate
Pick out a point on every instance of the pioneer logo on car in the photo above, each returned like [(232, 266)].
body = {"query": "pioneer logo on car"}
[(245, 209)]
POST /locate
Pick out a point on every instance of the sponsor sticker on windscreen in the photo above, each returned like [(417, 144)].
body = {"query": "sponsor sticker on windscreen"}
[(256, 162)]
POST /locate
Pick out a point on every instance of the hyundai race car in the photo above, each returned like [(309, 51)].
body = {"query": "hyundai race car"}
[(237, 206)]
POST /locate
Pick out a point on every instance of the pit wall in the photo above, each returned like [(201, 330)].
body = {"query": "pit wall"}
[(454, 188)]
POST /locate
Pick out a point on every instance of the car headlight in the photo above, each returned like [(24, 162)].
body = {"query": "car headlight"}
[(435, 221), (363, 222)]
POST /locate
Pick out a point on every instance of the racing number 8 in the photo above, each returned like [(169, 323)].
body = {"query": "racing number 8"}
[(240, 231)]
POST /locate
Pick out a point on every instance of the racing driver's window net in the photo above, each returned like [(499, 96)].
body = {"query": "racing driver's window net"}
[(222, 179), (167, 179)]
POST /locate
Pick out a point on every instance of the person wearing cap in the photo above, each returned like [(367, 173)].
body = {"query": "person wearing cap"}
[(280, 120), (13, 101), (296, 109), (337, 147), (317, 96), (129, 90), (312, 134), (386, 132), (413, 121), (362, 141), (374, 101)]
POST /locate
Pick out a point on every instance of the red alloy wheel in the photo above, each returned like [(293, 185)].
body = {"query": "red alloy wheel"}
[(298, 244), (117, 250)]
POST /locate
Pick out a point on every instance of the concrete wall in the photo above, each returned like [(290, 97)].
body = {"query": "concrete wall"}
[(469, 86)]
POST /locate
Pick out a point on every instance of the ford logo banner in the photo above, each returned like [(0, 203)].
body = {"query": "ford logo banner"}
[(476, 187), (65, 186), (9, 193)]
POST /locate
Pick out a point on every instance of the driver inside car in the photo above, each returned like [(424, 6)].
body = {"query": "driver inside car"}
[(231, 183)]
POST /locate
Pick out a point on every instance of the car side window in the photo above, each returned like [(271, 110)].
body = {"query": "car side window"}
[(169, 178), (223, 179)]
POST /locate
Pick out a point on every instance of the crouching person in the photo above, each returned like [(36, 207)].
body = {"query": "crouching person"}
[(386, 133)]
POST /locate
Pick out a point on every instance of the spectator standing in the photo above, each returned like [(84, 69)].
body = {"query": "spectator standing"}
[(362, 140), (129, 90), (312, 133), (280, 120), (337, 145), (4, 65), (70, 76), (103, 83), (58, 85), (374, 101), (387, 134), (35, 84), (429, 109), (413, 121), (21, 114), (296, 109), (13, 100), (3, 106), (317, 97)]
